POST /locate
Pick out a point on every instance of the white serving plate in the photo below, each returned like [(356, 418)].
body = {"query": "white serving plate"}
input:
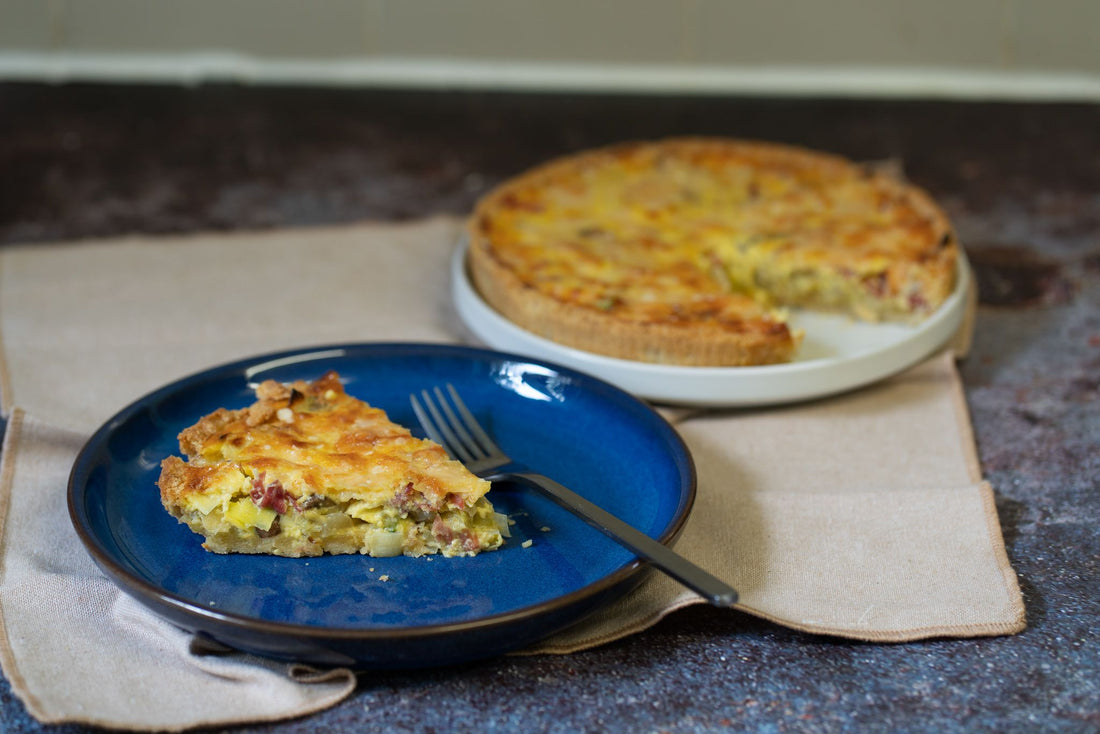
[(836, 355)]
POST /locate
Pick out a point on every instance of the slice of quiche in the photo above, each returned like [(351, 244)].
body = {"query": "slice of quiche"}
[(308, 469)]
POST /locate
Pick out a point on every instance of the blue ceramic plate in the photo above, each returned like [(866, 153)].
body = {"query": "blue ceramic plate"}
[(380, 613)]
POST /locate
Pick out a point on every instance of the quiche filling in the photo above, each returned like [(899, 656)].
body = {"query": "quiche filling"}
[(308, 470), (697, 246)]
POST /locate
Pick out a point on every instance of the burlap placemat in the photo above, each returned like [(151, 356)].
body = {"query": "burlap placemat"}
[(862, 516)]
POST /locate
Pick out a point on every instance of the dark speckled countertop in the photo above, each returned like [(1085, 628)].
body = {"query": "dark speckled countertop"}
[(1022, 183)]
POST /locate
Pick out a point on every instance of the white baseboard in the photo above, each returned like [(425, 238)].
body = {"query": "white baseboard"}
[(439, 74)]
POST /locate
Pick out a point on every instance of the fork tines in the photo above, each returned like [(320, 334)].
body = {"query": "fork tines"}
[(451, 424)]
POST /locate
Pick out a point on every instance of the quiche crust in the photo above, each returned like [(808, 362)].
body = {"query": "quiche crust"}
[(750, 334), (308, 469), (688, 250)]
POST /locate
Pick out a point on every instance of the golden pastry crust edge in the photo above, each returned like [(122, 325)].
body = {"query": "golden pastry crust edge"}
[(579, 327)]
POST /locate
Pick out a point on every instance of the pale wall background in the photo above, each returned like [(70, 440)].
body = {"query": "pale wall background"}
[(962, 48)]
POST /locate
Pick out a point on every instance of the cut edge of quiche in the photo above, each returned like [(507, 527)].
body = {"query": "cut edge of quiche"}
[(308, 469), (690, 251)]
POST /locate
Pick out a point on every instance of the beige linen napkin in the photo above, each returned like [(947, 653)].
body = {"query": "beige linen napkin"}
[(862, 516)]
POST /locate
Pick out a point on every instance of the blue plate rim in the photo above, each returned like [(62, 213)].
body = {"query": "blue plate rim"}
[(151, 595)]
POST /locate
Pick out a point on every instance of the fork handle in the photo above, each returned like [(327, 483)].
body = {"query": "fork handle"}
[(711, 588)]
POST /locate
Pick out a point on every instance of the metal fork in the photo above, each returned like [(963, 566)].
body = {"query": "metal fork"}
[(450, 423)]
